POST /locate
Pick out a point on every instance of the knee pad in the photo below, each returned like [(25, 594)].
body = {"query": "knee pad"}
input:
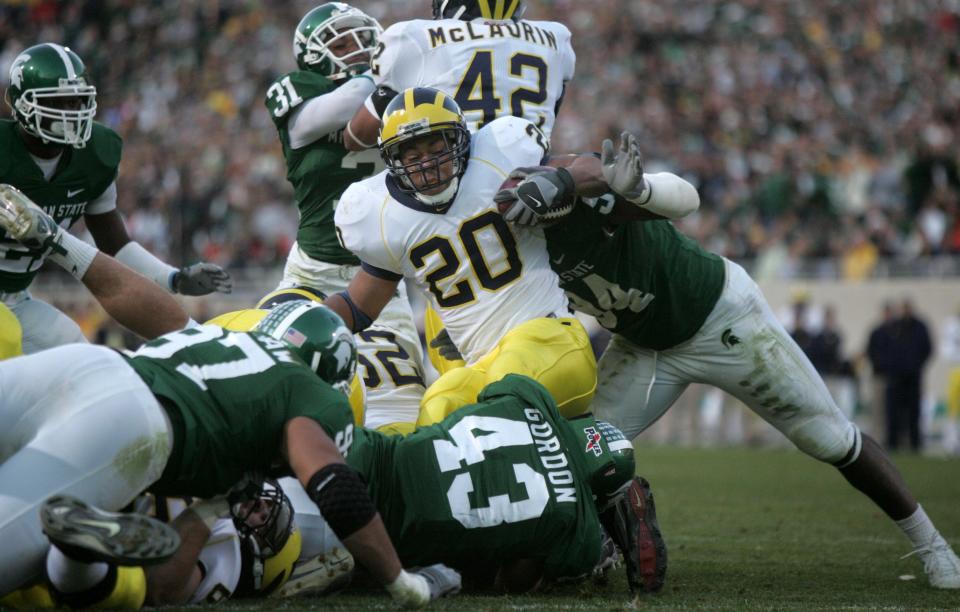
[(824, 445)]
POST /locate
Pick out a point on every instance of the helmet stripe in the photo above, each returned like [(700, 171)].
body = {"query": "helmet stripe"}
[(511, 10), (485, 9), (423, 95), (71, 71), (408, 102), (619, 445)]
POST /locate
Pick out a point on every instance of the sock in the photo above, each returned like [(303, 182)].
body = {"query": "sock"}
[(918, 528), (70, 576)]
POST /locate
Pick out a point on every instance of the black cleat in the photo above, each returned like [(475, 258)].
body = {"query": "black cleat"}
[(632, 523), (89, 534)]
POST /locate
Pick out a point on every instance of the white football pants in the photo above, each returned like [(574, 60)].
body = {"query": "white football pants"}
[(391, 356), (76, 420), (43, 325), (742, 349)]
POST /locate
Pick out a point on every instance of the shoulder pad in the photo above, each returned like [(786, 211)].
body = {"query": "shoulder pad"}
[(510, 142), (106, 146)]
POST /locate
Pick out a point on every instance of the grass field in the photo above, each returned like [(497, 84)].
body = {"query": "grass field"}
[(755, 530)]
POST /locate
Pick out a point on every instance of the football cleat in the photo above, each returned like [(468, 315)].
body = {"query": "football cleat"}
[(89, 534), (632, 523), (323, 575), (940, 563)]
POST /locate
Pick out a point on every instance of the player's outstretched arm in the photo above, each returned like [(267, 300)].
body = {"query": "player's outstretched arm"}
[(343, 500), (132, 299)]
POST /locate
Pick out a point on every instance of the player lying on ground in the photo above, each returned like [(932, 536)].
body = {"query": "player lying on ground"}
[(679, 315), (200, 408), (541, 487)]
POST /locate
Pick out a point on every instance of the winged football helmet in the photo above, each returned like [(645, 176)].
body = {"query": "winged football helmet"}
[(51, 96), (472, 9), (415, 113)]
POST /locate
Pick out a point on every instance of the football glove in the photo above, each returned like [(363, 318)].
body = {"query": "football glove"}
[(543, 195), (442, 580), (445, 346), (623, 170), (201, 279), (27, 223)]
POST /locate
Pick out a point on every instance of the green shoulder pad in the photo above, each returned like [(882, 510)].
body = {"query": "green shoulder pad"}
[(106, 145)]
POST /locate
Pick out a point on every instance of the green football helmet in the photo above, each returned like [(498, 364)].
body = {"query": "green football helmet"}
[(609, 457), (318, 337), (327, 26), (50, 95)]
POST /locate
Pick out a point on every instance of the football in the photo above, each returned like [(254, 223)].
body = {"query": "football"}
[(504, 204)]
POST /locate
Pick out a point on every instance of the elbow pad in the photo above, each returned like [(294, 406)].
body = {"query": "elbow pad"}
[(342, 498)]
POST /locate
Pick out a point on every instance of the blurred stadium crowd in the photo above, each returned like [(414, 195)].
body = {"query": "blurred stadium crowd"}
[(823, 142)]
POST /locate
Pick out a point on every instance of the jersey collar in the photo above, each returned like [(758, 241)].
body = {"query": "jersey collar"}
[(409, 201)]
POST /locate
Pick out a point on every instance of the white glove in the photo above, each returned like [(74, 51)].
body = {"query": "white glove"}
[(26, 222), (417, 588), (201, 279), (623, 171)]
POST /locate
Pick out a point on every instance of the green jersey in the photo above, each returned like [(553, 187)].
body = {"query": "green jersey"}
[(500, 480), (229, 395), (81, 176), (319, 171), (647, 281)]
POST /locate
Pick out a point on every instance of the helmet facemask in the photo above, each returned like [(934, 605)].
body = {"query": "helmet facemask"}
[(429, 172), (270, 542), (314, 51)]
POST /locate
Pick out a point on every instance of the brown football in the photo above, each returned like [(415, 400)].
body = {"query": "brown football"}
[(504, 204)]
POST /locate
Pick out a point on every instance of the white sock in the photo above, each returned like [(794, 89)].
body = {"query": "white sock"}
[(918, 528), (71, 576)]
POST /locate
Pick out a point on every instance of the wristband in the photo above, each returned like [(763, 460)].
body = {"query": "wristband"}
[(74, 255)]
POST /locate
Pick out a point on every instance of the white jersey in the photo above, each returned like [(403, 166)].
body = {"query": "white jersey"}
[(482, 278), (221, 564), (491, 68)]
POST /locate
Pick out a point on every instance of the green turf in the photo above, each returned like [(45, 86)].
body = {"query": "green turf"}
[(755, 530)]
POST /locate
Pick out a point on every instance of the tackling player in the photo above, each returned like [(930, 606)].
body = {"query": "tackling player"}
[(310, 108), (200, 408), (680, 314), (492, 62), (431, 218), (56, 154)]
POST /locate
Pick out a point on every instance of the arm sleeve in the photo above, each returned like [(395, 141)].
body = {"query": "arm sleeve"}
[(144, 262), (329, 112), (103, 203), (671, 196)]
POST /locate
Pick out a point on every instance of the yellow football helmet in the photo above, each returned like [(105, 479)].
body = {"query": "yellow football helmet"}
[(270, 541), (422, 112), (472, 9)]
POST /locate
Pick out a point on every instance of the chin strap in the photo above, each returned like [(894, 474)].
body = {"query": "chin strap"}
[(444, 197)]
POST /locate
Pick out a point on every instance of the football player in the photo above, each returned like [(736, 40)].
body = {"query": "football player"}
[(310, 108), (129, 297), (431, 218), (680, 314), (492, 62), (56, 154), (200, 408)]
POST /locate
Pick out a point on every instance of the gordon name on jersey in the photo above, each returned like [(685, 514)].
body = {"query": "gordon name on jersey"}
[(520, 69), (481, 277)]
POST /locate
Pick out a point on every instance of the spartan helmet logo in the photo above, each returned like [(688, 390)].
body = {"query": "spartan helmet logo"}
[(16, 70), (341, 351)]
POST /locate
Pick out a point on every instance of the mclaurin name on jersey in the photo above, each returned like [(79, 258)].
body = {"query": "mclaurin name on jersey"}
[(467, 30)]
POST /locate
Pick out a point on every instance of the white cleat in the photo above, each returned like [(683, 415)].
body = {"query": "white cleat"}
[(940, 563), (323, 575)]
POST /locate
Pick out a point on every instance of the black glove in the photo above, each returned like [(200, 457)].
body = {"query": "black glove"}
[(542, 196), (445, 346), (201, 279)]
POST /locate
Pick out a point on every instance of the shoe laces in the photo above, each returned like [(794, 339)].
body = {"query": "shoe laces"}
[(937, 555)]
